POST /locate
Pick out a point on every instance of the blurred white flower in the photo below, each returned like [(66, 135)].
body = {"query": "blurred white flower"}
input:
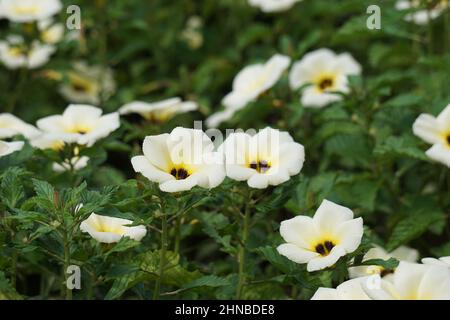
[(159, 111), (273, 5), (11, 126), (443, 262), (326, 73), (181, 160), (192, 34), (413, 281), (6, 148), (14, 53), (81, 124), (270, 157), (422, 16), (109, 229), (348, 290), (435, 131), (29, 10), (88, 84), (249, 83), (320, 241), (402, 254), (51, 32)]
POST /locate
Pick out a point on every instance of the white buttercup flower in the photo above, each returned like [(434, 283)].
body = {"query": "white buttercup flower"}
[(326, 72), (81, 124), (159, 111), (51, 32), (348, 290), (109, 229), (10, 126), (273, 5), (181, 160), (421, 17), (29, 10), (270, 157), (402, 254), (443, 262), (413, 281), (435, 131), (88, 84), (14, 54), (6, 148), (320, 241)]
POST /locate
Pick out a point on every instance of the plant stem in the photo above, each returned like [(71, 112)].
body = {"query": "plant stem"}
[(162, 258), (66, 266), (242, 252), (18, 91), (15, 256), (177, 235)]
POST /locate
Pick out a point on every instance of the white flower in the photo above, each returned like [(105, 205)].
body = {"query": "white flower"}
[(270, 157), (320, 241), (29, 10), (326, 72), (56, 142), (180, 160), (14, 54), (81, 124), (435, 131), (402, 254), (109, 229), (159, 111), (273, 5), (214, 120), (252, 81), (412, 281), (443, 262), (6, 148), (88, 84), (10, 126), (348, 290), (51, 33), (421, 17)]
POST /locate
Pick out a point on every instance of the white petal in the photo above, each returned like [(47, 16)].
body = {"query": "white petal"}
[(325, 294), (301, 231), (427, 128), (296, 254), (258, 181), (440, 153), (323, 262), (156, 150), (142, 165), (350, 234), (179, 185), (329, 216)]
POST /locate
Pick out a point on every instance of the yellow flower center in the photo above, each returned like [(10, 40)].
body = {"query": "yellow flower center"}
[(180, 173), (16, 51), (324, 248), (110, 229), (261, 166), (82, 85), (79, 128), (30, 10)]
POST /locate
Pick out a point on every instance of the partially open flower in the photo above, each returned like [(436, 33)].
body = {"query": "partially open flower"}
[(273, 5), (443, 262), (422, 15), (270, 157), (435, 131), (11, 126), (6, 148), (29, 10), (81, 124), (51, 32), (320, 241), (159, 111), (326, 73), (412, 281), (181, 160), (348, 290), (109, 229), (14, 53), (402, 254)]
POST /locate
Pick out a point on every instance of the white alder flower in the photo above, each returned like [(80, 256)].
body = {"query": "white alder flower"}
[(11, 126), (14, 53), (402, 254), (109, 229), (6, 148), (181, 160), (56, 142), (88, 84), (81, 124), (348, 290), (24, 11), (435, 131), (269, 157), (273, 5), (320, 241), (422, 16), (326, 73), (443, 262), (51, 32), (413, 281), (159, 111)]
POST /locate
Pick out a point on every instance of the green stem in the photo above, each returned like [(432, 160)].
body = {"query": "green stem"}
[(15, 257), (242, 252), (177, 235), (162, 258), (66, 266), (18, 90)]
